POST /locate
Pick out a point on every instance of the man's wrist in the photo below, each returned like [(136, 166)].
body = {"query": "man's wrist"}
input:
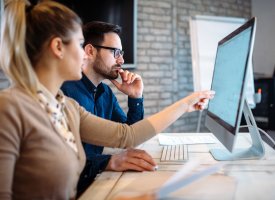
[(135, 101), (135, 96), (106, 162), (109, 166)]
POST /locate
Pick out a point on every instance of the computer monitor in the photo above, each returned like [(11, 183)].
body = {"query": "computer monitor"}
[(223, 117)]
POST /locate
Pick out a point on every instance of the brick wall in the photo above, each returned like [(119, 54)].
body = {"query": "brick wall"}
[(164, 54)]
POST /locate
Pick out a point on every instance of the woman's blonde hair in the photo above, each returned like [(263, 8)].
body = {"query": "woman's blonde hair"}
[(25, 32)]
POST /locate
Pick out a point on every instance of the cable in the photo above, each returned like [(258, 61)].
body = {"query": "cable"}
[(265, 133), (268, 136)]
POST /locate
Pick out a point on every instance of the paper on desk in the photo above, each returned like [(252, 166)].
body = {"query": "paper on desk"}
[(185, 139), (185, 177)]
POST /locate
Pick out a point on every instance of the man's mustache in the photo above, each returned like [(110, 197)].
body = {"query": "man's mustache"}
[(117, 66)]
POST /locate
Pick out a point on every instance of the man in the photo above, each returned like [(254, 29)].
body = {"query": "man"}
[(103, 60)]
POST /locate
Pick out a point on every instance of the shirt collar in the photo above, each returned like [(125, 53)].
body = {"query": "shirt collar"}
[(90, 86), (54, 106), (56, 102)]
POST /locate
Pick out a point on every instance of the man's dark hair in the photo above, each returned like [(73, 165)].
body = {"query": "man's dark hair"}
[(94, 31)]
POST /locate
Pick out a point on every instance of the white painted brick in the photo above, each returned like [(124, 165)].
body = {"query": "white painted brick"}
[(143, 59)]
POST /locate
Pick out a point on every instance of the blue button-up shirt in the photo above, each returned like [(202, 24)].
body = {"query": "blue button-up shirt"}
[(102, 102)]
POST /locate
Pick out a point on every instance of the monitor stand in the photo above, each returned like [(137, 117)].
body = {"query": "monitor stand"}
[(256, 151)]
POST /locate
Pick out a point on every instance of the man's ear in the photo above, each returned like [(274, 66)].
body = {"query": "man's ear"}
[(90, 51), (57, 47)]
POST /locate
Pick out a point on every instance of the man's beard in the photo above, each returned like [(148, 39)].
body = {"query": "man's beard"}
[(103, 70)]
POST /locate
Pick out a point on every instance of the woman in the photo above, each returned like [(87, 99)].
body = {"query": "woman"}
[(41, 155)]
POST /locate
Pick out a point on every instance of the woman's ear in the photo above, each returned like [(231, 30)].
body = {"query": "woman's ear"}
[(57, 47)]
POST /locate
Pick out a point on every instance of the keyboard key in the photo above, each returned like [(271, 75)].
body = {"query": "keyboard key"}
[(174, 153)]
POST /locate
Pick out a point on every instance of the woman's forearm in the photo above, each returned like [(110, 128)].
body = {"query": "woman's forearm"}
[(195, 101), (167, 116)]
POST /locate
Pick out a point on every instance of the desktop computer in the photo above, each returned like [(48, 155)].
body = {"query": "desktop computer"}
[(230, 78)]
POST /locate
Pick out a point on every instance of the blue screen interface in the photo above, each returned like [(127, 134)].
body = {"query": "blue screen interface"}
[(228, 77)]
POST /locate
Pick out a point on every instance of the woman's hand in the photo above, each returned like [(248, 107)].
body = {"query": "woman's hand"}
[(195, 101), (198, 100)]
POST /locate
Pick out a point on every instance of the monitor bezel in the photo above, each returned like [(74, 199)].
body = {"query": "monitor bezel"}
[(234, 129)]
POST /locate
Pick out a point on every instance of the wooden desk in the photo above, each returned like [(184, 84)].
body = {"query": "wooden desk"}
[(239, 180)]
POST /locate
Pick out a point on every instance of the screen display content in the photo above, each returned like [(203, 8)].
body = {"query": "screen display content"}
[(228, 77)]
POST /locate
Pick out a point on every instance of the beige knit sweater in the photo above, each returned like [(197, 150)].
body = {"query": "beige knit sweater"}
[(35, 162)]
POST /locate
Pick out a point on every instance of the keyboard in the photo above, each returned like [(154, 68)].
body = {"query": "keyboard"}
[(174, 153)]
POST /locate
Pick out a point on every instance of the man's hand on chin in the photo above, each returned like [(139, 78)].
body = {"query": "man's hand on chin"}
[(131, 84)]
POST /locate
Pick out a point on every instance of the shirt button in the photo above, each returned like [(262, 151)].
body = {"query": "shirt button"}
[(137, 104)]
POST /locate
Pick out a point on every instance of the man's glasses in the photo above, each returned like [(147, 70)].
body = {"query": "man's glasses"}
[(117, 52)]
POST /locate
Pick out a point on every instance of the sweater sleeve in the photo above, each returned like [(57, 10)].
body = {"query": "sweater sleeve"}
[(104, 132), (9, 144)]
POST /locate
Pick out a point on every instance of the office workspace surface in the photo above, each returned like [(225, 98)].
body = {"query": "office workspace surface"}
[(242, 179)]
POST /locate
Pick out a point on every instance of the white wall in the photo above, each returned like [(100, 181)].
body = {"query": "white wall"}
[(264, 52)]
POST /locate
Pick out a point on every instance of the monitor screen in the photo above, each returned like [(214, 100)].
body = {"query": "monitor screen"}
[(230, 78)]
